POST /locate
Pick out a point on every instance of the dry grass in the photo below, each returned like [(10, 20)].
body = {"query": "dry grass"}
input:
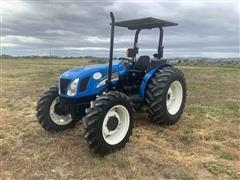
[(204, 144)]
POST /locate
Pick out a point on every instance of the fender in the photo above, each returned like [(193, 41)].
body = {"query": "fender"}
[(148, 76)]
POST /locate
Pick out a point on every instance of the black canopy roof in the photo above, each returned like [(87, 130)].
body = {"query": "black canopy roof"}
[(144, 23)]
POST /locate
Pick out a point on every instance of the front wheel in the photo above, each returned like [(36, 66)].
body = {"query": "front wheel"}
[(108, 122), (51, 113), (166, 95)]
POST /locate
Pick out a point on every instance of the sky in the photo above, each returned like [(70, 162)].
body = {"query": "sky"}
[(207, 28)]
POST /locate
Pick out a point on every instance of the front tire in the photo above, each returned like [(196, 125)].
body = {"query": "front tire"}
[(108, 122), (166, 95), (50, 116)]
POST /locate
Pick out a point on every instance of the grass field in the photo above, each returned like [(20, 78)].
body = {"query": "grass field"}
[(204, 144)]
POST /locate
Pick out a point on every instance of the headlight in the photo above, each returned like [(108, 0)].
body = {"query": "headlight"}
[(72, 91)]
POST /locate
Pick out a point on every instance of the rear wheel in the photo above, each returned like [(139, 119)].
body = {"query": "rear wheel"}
[(166, 95), (108, 123), (51, 114)]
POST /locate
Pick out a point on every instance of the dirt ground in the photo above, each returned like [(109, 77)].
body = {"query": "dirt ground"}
[(204, 144)]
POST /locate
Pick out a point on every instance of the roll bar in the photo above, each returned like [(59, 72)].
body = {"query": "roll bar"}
[(138, 25), (109, 81), (160, 47)]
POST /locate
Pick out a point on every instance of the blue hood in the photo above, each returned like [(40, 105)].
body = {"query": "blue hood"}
[(82, 71)]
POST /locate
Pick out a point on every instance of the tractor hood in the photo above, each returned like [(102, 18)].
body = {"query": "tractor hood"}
[(92, 78), (82, 71)]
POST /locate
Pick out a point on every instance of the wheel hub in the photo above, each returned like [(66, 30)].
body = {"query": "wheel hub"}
[(112, 123), (174, 97), (115, 124), (59, 114), (169, 95), (60, 109)]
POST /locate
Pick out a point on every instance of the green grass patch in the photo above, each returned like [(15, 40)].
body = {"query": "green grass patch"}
[(229, 110), (216, 168), (122, 162), (225, 111), (217, 147), (118, 160), (185, 175), (187, 136), (160, 130), (3, 151), (8, 106), (178, 172), (228, 155), (198, 111)]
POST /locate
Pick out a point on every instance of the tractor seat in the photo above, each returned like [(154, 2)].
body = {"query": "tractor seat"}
[(142, 64)]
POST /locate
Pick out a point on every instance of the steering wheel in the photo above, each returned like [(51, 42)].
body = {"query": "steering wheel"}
[(125, 59)]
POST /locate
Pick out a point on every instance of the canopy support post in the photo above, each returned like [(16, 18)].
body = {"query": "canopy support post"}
[(109, 81), (160, 47)]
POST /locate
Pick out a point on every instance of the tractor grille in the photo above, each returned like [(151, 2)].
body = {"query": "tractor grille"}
[(84, 83), (64, 85)]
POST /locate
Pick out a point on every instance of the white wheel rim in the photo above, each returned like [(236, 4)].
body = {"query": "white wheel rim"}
[(116, 136), (56, 118), (174, 97)]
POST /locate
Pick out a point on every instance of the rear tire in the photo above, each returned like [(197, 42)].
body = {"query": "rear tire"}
[(47, 116), (108, 122), (166, 95)]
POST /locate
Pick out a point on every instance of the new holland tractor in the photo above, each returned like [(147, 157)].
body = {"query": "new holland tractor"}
[(105, 96)]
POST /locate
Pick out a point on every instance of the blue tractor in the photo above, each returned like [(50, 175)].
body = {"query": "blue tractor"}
[(105, 96)]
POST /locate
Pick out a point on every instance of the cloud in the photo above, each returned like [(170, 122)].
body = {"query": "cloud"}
[(14, 41), (81, 27)]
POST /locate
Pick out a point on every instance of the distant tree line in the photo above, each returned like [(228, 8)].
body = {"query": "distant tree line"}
[(177, 60), (5, 56)]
